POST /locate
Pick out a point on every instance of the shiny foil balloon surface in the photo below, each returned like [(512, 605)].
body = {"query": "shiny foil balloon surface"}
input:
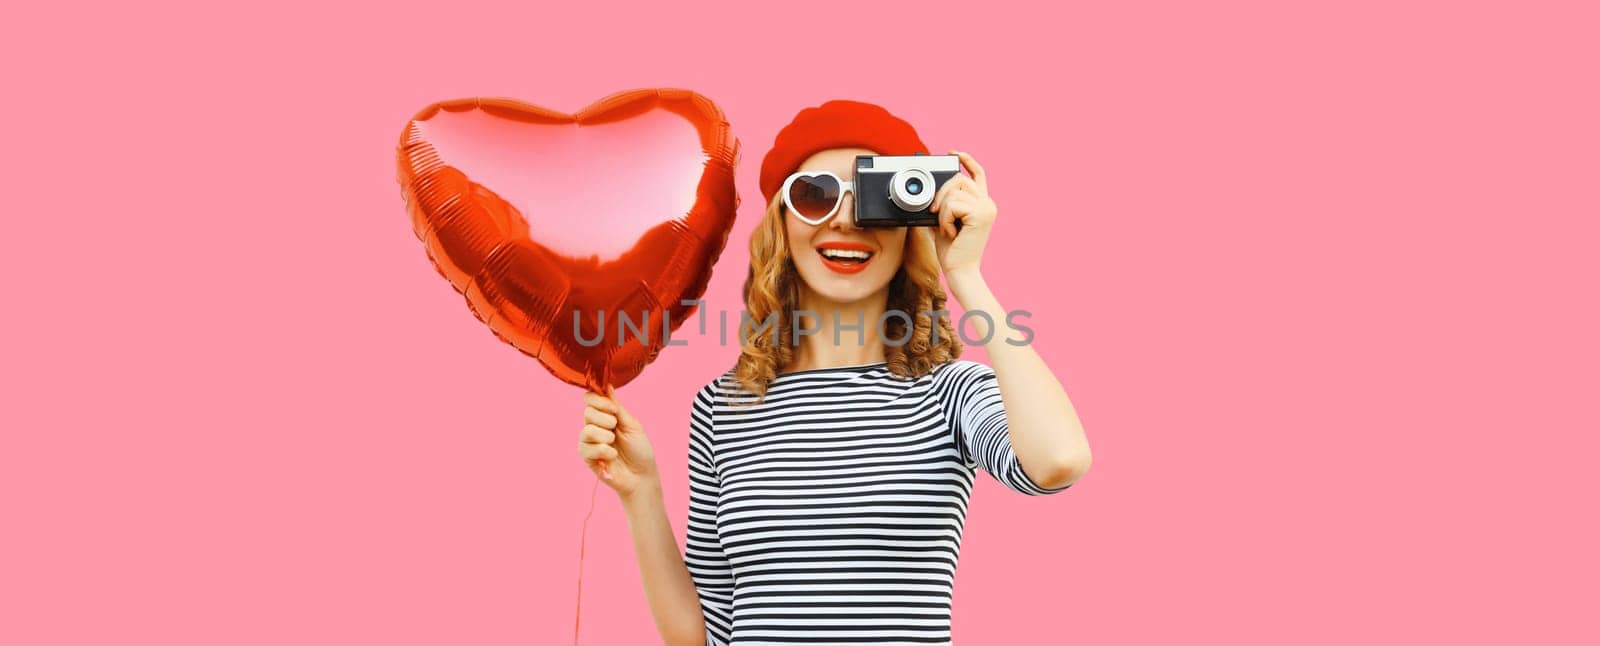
[(574, 237)]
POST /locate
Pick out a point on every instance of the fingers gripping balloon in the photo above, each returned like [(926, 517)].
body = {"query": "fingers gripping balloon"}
[(574, 237)]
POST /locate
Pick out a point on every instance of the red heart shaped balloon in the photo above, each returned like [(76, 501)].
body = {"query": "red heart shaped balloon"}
[(575, 237)]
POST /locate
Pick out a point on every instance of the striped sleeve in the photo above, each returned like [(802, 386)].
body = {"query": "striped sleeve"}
[(970, 396), (703, 555)]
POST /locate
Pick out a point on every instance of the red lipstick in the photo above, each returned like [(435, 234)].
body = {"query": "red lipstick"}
[(846, 265)]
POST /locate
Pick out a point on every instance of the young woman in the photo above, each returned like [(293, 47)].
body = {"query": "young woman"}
[(830, 472)]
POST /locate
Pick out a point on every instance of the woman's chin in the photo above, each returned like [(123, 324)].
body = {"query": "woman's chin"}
[(844, 289)]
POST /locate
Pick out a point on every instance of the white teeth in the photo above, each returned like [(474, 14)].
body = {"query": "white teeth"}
[(845, 254)]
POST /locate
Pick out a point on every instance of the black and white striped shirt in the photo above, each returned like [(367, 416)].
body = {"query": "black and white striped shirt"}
[(832, 512)]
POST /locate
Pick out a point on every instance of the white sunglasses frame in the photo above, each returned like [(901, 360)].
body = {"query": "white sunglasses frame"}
[(844, 187)]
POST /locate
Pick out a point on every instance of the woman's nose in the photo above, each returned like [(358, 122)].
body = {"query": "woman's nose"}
[(845, 219)]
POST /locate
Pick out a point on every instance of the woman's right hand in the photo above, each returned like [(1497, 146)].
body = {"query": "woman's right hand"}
[(614, 445)]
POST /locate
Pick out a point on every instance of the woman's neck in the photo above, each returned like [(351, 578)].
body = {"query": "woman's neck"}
[(854, 324)]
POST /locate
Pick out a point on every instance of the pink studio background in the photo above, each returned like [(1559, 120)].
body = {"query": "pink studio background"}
[(1320, 280)]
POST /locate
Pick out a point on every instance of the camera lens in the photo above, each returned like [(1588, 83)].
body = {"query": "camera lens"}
[(907, 189)]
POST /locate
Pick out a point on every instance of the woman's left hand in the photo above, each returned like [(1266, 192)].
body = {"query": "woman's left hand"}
[(964, 199)]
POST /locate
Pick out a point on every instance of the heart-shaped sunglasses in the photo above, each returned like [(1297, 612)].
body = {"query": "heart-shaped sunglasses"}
[(814, 196)]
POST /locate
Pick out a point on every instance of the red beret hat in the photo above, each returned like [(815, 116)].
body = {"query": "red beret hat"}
[(835, 124)]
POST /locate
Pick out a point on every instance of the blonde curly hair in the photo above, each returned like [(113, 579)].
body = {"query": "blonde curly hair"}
[(773, 288)]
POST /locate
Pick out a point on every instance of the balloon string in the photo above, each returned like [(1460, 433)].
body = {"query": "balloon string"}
[(581, 542)]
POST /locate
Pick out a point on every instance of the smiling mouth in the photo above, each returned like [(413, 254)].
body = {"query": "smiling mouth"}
[(845, 260)]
